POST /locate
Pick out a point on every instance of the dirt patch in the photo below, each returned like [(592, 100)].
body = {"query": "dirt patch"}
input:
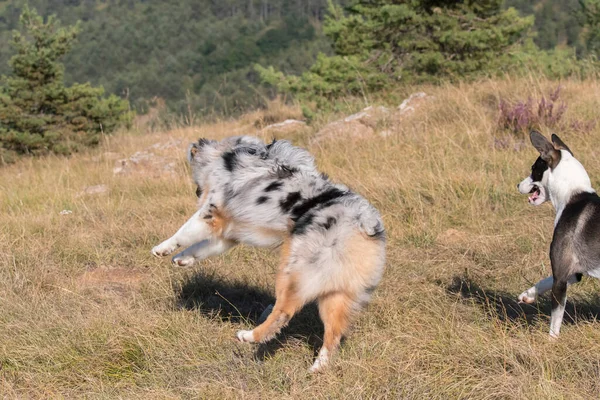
[(108, 281), (452, 237), (93, 190)]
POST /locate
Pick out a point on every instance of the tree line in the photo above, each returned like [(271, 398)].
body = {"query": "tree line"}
[(222, 57)]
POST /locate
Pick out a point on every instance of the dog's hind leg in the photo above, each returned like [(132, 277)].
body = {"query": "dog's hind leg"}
[(199, 251), (195, 230), (335, 310), (559, 300), (288, 302), (530, 295)]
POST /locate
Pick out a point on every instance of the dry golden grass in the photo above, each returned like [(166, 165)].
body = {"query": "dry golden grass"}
[(86, 311)]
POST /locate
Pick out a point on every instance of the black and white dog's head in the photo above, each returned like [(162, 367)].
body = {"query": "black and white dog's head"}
[(536, 184)]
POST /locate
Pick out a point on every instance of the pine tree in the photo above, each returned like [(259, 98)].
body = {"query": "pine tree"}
[(590, 11), (413, 40), (38, 114), (428, 37)]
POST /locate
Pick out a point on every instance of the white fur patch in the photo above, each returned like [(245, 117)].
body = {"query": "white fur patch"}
[(526, 185), (556, 319), (245, 336), (165, 248), (567, 178), (539, 196), (530, 295), (200, 251), (193, 231), (321, 361)]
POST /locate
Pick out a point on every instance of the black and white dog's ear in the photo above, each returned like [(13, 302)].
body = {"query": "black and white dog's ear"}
[(559, 144), (196, 147), (546, 149)]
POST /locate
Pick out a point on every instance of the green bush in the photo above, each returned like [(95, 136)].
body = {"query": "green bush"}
[(38, 114), (382, 41), (328, 78)]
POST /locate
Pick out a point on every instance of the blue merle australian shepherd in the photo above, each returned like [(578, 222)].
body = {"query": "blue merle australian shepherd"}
[(332, 240)]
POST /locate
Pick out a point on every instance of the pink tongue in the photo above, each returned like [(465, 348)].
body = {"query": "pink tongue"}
[(534, 196)]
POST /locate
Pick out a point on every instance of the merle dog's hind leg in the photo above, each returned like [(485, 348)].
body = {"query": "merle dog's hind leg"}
[(335, 310), (287, 303)]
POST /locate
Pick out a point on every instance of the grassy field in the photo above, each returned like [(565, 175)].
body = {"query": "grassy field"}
[(86, 311)]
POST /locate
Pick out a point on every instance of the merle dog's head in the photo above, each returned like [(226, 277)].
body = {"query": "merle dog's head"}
[(199, 155), (536, 184), (203, 154)]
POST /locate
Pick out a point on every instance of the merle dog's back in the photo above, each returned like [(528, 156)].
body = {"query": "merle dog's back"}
[(279, 183)]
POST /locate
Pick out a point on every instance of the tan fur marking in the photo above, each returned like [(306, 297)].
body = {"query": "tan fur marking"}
[(363, 253), (260, 230), (287, 302), (335, 310), (219, 222), (271, 232), (286, 305), (203, 197), (284, 254)]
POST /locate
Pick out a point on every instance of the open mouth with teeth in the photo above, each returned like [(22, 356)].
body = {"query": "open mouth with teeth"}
[(537, 195)]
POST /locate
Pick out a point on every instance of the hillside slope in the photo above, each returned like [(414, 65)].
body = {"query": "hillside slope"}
[(87, 311), (198, 55), (193, 54)]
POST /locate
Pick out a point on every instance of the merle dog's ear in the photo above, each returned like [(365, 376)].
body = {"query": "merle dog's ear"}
[(546, 149), (559, 144), (195, 148)]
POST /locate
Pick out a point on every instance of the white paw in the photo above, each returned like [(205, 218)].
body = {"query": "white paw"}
[(164, 249), (245, 336), (321, 362), (526, 297), (183, 261), (553, 337)]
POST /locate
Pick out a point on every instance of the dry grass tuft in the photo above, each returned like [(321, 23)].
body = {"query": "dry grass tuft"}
[(277, 111), (88, 312)]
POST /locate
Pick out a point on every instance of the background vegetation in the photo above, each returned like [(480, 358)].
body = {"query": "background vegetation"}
[(38, 113), (196, 54), (87, 312), (199, 56)]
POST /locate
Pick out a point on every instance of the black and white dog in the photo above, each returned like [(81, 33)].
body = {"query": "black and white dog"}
[(575, 250)]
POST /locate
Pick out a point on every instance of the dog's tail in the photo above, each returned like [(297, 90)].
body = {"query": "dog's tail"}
[(369, 220)]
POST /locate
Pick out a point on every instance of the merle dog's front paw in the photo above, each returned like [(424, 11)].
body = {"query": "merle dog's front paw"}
[(164, 249), (183, 261)]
